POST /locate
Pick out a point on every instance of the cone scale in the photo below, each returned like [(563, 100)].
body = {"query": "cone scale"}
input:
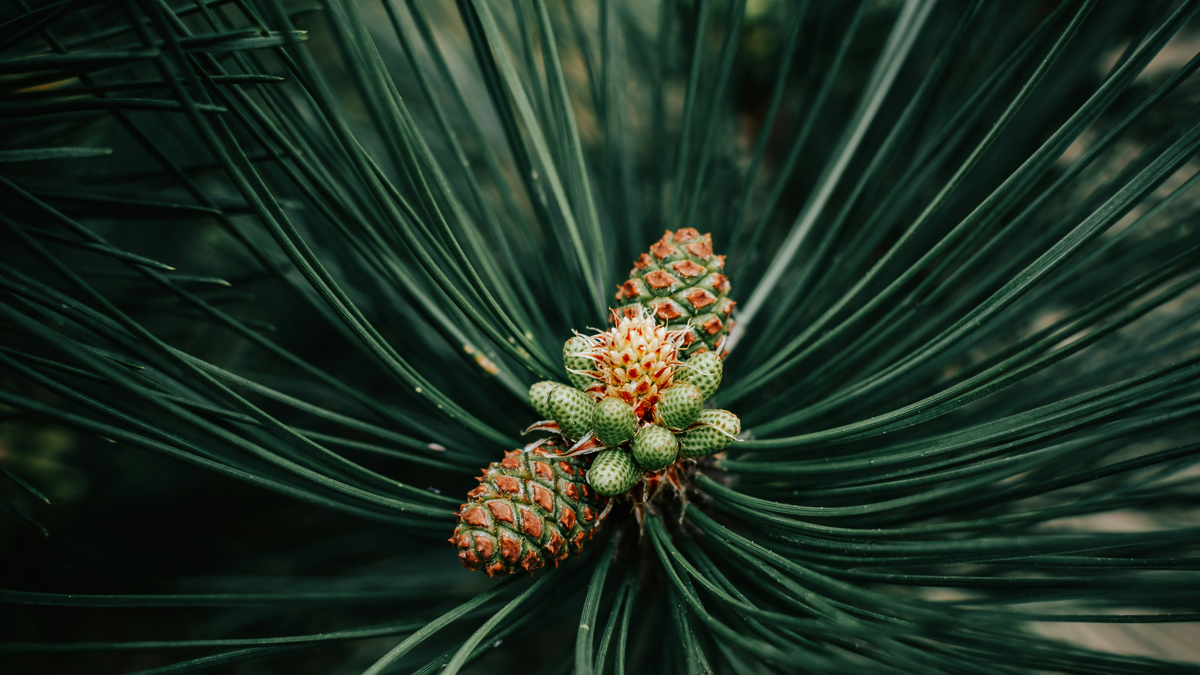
[(531, 509), (681, 282)]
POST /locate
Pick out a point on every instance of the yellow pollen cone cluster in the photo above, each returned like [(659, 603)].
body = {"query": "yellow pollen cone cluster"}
[(636, 359)]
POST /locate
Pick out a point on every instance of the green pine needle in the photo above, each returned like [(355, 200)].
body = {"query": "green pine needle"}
[(275, 279)]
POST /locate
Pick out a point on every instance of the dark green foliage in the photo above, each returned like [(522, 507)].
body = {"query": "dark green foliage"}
[(324, 251)]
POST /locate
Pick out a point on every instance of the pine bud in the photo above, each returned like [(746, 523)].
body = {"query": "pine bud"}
[(680, 404), (539, 396), (654, 447), (703, 370), (573, 360), (572, 410), (613, 472), (613, 421), (719, 430)]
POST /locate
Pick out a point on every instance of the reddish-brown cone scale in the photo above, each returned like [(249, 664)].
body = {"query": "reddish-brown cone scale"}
[(682, 284), (531, 508)]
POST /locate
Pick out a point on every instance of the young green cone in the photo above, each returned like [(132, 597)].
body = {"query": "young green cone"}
[(572, 410), (719, 430), (680, 404), (654, 447), (703, 370), (573, 361), (613, 472), (681, 282), (539, 396), (613, 421)]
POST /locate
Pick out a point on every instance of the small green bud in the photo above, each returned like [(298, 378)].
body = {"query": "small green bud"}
[(573, 360), (721, 427), (703, 370), (680, 404), (654, 447), (572, 409), (613, 472), (613, 421), (539, 396)]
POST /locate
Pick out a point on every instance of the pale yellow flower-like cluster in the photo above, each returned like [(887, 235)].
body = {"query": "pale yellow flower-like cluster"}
[(635, 360)]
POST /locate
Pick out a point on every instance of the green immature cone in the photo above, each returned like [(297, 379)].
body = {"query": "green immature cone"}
[(654, 447), (680, 404), (573, 360), (703, 370), (572, 410), (613, 421), (539, 396), (721, 427), (682, 282), (613, 472)]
